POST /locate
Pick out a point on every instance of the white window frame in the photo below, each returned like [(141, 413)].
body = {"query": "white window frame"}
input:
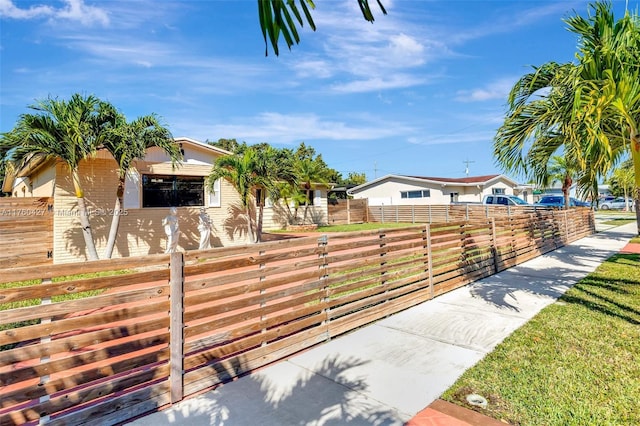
[(214, 198)]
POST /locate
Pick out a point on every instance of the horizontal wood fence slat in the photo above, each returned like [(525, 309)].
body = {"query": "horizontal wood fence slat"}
[(26, 231), (109, 340)]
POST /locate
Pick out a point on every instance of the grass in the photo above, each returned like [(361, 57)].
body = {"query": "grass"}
[(364, 226), (575, 363), (619, 221), (54, 299)]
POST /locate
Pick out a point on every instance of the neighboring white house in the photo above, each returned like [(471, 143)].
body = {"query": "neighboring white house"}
[(407, 190)]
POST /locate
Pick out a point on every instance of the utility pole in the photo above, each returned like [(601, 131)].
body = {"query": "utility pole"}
[(466, 169)]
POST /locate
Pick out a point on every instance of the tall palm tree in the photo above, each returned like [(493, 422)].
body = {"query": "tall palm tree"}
[(277, 174), (255, 174), (241, 171), (609, 90), (128, 142), (562, 169), (588, 110), (63, 130), (309, 172)]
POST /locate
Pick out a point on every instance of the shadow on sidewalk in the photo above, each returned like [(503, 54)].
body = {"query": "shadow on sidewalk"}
[(283, 395)]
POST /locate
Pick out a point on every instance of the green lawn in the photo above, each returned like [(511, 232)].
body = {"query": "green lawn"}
[(575, 363), (54, 299), (364, 226)]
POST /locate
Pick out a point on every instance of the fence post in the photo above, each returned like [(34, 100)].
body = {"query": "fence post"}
[(430, 214), (382, 213), (324, 301), (366, 209), (176, 326), (348, 211), (429, 260), (566, 227), (494, 245), (383, 244), (397, 217), (413, 214), (45, 358), (446, 213), (466, 212)]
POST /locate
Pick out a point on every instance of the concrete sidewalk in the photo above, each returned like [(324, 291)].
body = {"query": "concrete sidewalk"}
[(385, 373)]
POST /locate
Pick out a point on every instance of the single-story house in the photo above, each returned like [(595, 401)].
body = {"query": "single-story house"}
[(151, 188), (420, 190)]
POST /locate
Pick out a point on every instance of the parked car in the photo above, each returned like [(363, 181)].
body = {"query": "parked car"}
[(559, 202), (504, 200), (551, 201), (617, 204), (580, 203)]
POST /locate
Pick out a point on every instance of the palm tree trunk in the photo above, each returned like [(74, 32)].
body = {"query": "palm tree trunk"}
[(115, 220), (635, 156), (84, 217), (566, 190), (259, 223), (249, 226)]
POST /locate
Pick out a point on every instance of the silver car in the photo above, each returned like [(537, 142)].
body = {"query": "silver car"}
[(617, 204)]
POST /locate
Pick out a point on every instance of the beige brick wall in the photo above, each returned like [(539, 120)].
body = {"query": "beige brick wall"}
[(276, 217), (140, 230)]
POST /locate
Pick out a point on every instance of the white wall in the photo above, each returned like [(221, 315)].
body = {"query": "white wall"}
[(387, 192)]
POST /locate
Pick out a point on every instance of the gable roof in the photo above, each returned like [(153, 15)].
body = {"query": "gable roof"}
[(38, 161), (465, 181), (202, 145)]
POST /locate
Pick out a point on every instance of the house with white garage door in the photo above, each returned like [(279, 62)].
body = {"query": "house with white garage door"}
[(422, 190)]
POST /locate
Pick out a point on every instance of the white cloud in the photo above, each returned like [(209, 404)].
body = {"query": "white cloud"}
[(74, 10), (377, 83), (483, 136), (495, 90), (280, 128), (10, 10)]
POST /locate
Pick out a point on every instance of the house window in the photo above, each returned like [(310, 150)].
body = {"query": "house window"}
[(425, 193), (497, 191), (172, 191), (309, 197)]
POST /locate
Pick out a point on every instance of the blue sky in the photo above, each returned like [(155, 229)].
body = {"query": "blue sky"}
[(419, 92)]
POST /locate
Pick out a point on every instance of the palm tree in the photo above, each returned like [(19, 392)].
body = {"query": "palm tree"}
[(63, 130), (255, 173), (588, 110), (623, 179), (128, 142), (562, 169), (309, 172), (276, 19)]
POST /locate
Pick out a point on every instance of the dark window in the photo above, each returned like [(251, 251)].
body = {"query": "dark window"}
[(416, 194), (172, 191), (497, 191), (309, 195)]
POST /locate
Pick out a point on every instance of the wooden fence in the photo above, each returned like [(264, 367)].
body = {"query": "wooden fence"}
[(345, 212), (168, 326), (444, 212), (26, 231)]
